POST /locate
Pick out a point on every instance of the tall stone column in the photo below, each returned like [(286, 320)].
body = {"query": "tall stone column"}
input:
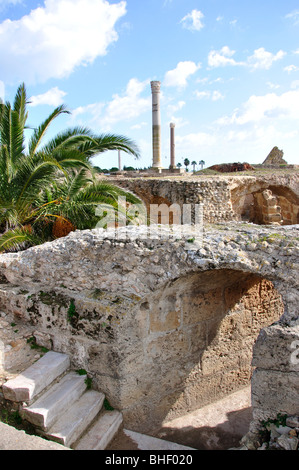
[(172, 146), (156, 125)]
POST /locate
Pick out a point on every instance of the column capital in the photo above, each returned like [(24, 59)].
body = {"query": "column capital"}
[(155, 87), (172, 125)]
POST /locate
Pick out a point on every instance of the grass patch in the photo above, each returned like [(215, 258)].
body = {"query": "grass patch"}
[(88, 380), (14, 419), (34, 345), (107, 405), (71, 313)]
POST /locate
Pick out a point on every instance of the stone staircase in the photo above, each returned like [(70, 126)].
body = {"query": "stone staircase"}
[(58, 403)]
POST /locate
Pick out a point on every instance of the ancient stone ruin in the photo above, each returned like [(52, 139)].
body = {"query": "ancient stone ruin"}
[(232, 167), (166, 322), (275, 158), (256, 199)]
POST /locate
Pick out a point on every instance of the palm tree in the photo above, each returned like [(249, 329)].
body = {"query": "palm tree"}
[(202, 163), (71, 204), (186, 163), (194, 165), (43, 184)]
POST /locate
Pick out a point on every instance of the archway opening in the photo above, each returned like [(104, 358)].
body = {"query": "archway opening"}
[(202, 329), (265, 206)]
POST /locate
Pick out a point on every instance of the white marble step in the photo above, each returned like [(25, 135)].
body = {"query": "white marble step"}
[(49, 406), (71, 425), (101, 432), (36, 378)]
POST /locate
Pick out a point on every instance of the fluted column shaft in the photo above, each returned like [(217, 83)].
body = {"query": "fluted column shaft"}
[(156, 124)]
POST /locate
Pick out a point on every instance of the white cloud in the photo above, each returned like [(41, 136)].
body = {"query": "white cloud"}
[(262, 108), (294, 16), (273, 86), (52, 40), (195, 140), (173, 108), (124, 107), (202, 94), (128, 106), (178, 76), (193, 20), (291, 68), (89, 115), (262, 122), (179, 122), (202, 80), (262, 59), (214, 96), (222, 58), (53, 97), (139, 126)]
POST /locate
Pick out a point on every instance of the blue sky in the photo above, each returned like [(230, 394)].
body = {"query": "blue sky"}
[(229, 72)]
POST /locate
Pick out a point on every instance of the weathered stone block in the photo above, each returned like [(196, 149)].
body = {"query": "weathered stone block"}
[(163, 320), (274, 392), (200, 306), (277, 348), (168, 347)]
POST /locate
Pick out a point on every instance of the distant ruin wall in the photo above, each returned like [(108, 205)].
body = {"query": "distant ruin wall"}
[(164, 325), (224, 198)]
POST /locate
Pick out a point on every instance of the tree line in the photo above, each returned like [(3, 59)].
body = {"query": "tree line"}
[(201, 163)]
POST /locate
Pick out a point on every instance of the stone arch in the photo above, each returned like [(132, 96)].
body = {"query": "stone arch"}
[(265, 204), (167, 212), (154, 194), (149, 360), (198, 339)]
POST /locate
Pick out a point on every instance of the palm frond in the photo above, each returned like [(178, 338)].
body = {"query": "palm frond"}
[(20, 103), (69, 139), (69, 158), (105, 142), (12, 138), (34, 174), (39, 133), (17, 238), (115, 191), (5, 126), (17, 139)]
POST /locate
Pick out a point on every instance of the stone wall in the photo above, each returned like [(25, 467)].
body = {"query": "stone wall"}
[(224, 198), (166, 324), (213, 193)]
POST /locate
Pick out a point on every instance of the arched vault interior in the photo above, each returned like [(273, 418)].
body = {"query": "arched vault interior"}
[(200, 331)]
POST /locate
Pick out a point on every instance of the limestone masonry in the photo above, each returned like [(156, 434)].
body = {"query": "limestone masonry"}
[(167, 323), (258, 199)]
